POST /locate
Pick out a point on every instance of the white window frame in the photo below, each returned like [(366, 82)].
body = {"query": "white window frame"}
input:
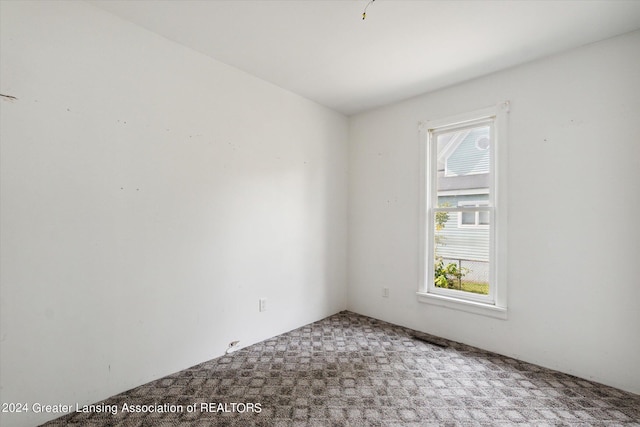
[(494, 304)]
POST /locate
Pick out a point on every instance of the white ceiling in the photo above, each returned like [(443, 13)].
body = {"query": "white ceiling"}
[(324, 51)]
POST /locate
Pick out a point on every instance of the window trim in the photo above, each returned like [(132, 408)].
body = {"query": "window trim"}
[(496, 304)]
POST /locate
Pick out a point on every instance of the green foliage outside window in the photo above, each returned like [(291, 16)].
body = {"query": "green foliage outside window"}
[(445, 275)]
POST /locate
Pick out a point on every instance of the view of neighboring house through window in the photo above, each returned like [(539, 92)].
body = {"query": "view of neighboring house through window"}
[(460, 210)]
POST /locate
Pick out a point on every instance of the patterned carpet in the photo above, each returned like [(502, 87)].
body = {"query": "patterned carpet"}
[(352, 370)]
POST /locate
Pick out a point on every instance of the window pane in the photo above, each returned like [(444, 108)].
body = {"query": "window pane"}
[(464, 160), (483, 218), (468, 218), (462, 248), (461, 255)]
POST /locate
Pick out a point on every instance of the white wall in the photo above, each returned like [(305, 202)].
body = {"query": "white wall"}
[(574, 204), (150, 197)]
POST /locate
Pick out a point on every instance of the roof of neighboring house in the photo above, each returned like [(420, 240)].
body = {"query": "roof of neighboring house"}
[(466, 182)]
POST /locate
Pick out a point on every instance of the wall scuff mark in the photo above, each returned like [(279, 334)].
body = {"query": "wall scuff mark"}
[(8, 97)]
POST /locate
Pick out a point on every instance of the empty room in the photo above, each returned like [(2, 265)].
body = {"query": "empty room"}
[(319, 213)]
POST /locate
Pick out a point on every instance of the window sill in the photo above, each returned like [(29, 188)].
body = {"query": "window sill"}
[(463, 305)]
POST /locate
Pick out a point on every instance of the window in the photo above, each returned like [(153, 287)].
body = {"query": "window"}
[(476, 218), (463, 214)]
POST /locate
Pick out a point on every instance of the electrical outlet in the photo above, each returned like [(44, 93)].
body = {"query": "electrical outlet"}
[(385, 292), (263, 304)]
